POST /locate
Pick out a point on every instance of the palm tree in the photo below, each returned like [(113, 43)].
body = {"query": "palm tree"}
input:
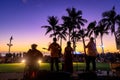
[(101, 30), (111, 18), (75, 37), (83, 33), (60, 34), (66, 25), (53, 25), (92, 30), (73, 21), (117, 33)]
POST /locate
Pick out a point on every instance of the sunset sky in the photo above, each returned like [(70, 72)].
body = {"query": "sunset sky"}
[(23, 19)]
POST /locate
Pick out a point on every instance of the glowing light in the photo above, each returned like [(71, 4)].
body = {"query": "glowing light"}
[(23, 61), (39, 61)]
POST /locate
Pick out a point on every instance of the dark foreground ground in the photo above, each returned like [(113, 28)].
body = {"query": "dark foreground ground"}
[(80, 75)]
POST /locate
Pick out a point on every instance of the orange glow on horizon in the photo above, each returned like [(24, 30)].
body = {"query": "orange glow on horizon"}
[(109, 45)]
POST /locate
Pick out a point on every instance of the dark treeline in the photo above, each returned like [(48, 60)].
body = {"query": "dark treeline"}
[(105, 58)]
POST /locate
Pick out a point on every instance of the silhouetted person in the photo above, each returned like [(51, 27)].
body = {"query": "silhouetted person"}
[(55, 50), (68, 64), (91, 54), (32, 57)]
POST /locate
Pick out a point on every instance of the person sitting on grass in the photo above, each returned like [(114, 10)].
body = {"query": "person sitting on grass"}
[(32, 57)]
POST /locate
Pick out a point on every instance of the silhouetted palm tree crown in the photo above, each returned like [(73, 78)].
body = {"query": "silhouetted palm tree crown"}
[(53, 25), (73, 20), (92, 29), (111, 18)]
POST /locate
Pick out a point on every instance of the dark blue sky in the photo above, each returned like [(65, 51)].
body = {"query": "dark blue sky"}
[(23, 18)]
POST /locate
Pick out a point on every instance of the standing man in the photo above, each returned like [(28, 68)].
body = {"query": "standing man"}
[(55, 50), (91, 54)]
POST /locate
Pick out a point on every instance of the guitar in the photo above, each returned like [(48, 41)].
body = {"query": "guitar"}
[(60, 54), (45, 48)]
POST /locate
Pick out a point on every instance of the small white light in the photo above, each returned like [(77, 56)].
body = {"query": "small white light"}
[(23, 61), (39, 61)]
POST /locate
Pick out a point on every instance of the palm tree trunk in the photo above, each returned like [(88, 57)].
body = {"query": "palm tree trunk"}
[(54, 33), (84, 45), (69, 36), (61, 42), (102, 45), (74, 46), (115, 39), (95, 38)]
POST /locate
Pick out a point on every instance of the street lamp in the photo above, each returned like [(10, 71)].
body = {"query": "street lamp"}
[(10, 44)]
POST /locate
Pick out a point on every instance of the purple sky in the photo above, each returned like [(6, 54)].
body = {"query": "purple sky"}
[(23, 19)]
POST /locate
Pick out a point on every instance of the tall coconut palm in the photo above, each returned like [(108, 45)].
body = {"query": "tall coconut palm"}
[(60, 34), (66, 24), (92, 30), (53, 25), (117, 33), (111, 18), (101, 30), (83, 33), (73, 21), (75, 37)]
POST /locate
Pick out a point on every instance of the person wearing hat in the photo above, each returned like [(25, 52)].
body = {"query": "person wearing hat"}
[(32, 57)]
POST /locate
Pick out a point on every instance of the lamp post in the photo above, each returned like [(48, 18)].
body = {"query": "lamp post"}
[(10, 44)]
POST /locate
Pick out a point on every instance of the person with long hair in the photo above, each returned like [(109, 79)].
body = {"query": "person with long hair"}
[(68, 63)]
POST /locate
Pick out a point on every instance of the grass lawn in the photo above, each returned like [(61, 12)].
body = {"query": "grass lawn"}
[(19, 67)]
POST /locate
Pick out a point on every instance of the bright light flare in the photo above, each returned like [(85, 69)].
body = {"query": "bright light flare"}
[(39, 61), (23, 61)]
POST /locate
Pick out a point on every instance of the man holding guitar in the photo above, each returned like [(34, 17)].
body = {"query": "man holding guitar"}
[(55, 52)]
